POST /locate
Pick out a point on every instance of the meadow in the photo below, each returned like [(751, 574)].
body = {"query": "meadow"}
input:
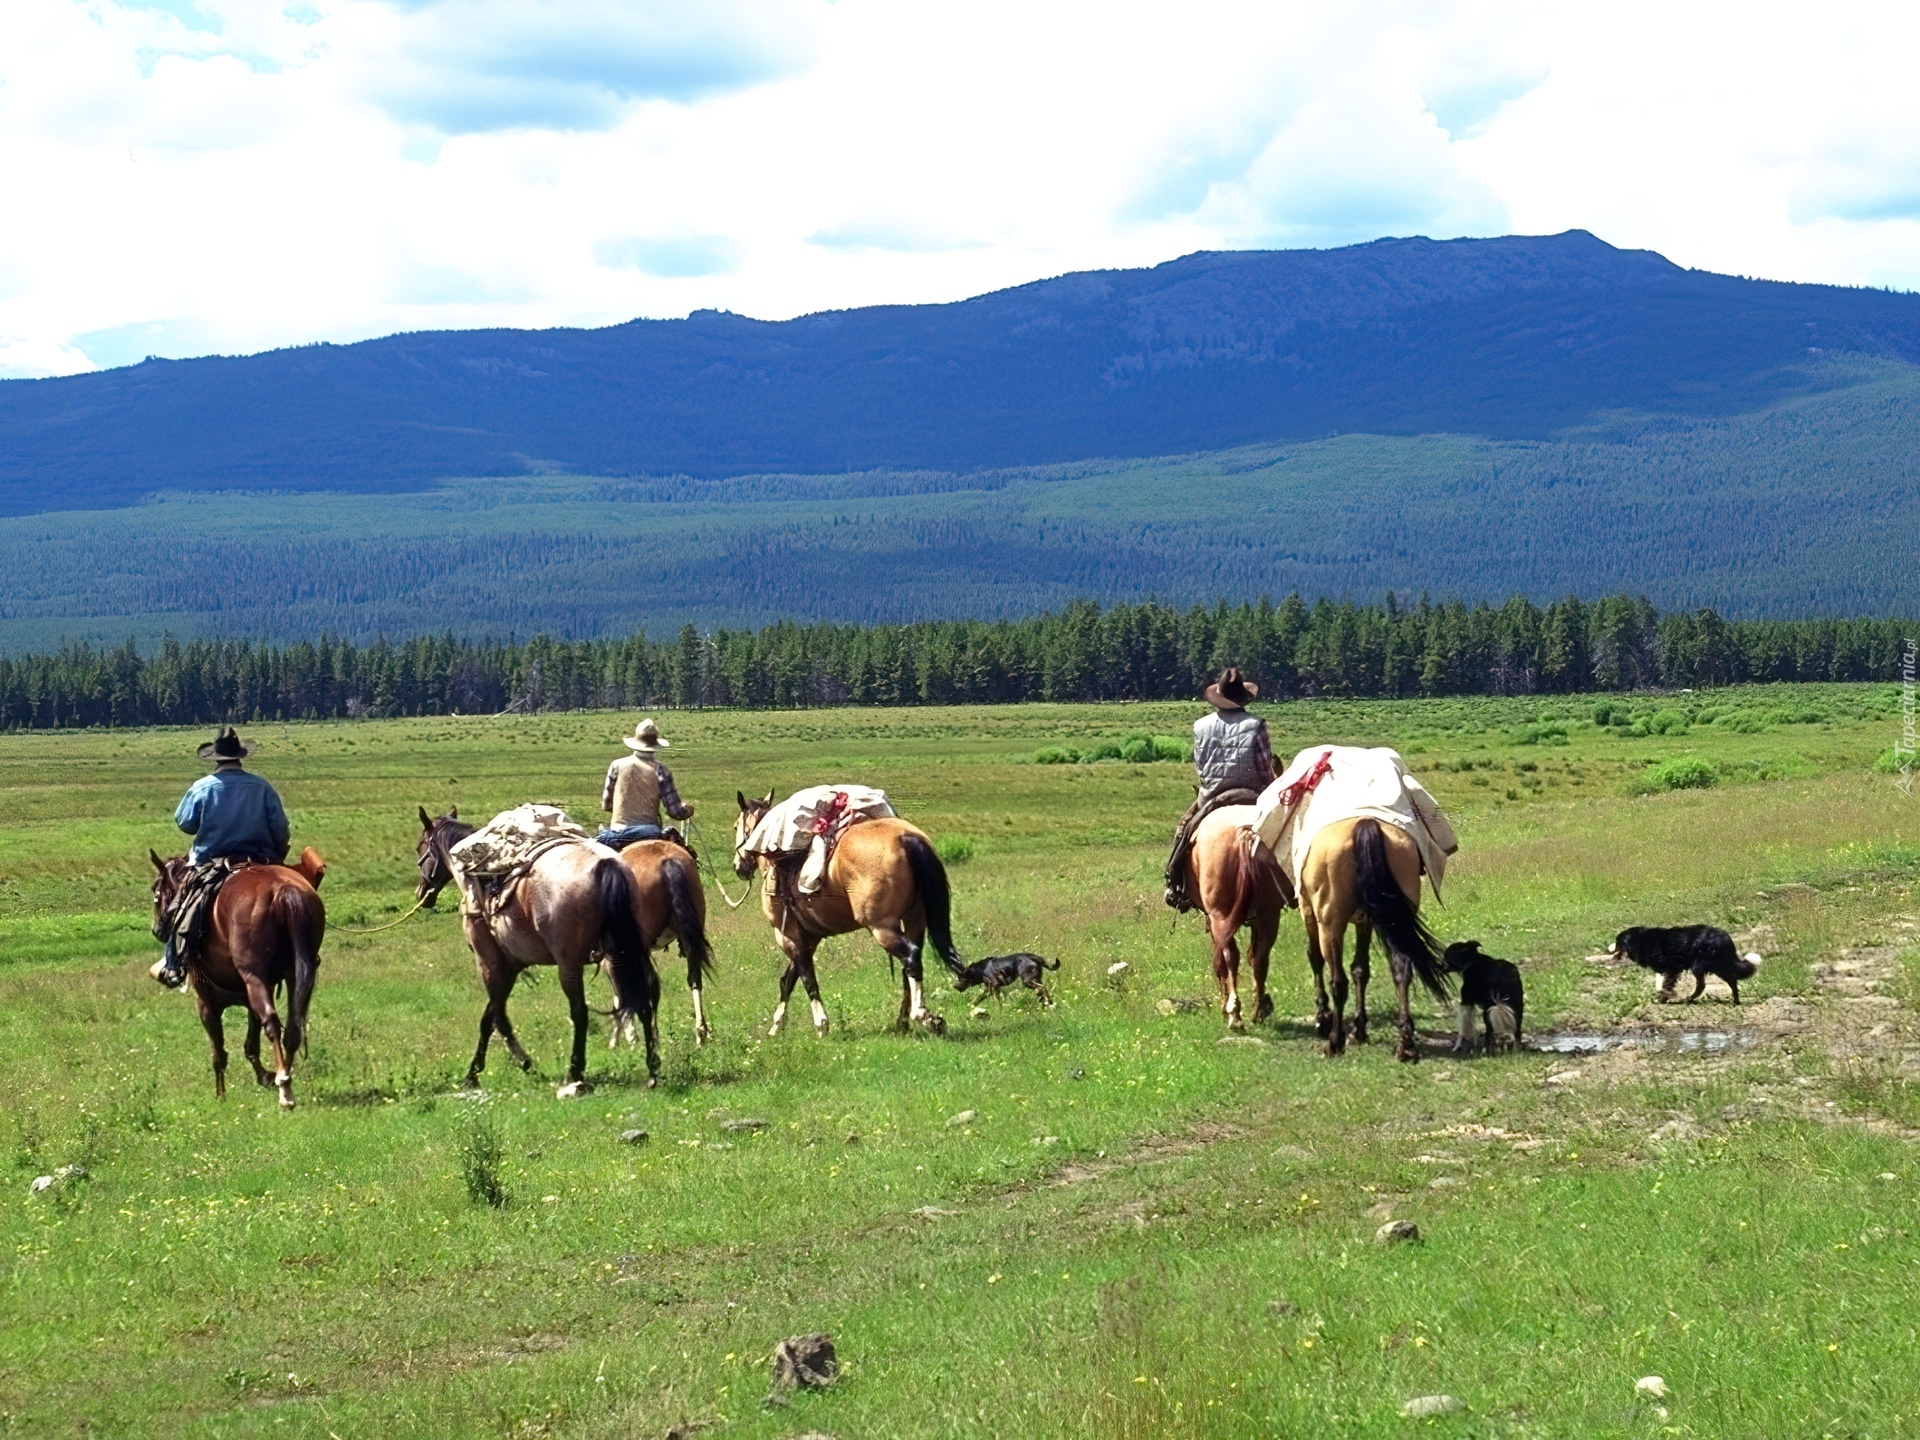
[(1100, 1219)]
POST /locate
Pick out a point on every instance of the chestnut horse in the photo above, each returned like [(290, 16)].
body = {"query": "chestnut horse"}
[(672, 904), (575, 901), (265, 931), (672, 907), (1237, 882), (1367, 874), (883, 878)]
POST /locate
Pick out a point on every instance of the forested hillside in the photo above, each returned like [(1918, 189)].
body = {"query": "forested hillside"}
[(1509, 338), (1808, 508), (1130, 652)]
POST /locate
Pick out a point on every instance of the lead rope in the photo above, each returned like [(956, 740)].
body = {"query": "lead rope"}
[(376, 929), (713, 874)]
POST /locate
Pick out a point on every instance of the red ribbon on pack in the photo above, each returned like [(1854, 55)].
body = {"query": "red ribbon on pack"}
[(1308, 782), (835, 809)]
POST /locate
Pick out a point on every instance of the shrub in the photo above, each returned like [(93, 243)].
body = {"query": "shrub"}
[(953, 849), (1137, 749), (1172, 747), (1105, 750), (1683, 774), (1603, 713), (1891, 760), (1544, 732), (482, 1152), (1056, 755)]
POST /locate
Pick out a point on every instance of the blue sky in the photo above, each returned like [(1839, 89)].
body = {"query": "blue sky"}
[(193, 176)]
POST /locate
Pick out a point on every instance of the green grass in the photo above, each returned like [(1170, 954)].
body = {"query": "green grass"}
[(1142, 1231)]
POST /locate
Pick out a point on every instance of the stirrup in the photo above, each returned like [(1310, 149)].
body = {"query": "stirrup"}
[(172, 979)]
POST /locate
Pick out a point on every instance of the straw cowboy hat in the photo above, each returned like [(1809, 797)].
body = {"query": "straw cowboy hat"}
[(646, 737), (225, 746), (1230, 692)]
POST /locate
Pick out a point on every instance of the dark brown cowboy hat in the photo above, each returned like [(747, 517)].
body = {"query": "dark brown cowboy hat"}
[(1230, 692), (225, 746)]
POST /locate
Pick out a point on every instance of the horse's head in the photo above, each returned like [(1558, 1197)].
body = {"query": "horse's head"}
[(751, 813), (437, 837), (167, 879)]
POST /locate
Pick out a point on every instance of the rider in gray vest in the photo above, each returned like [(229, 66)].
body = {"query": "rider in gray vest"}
[(1234, 759)]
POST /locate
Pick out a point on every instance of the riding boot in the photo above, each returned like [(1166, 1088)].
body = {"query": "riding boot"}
[(170, 970)]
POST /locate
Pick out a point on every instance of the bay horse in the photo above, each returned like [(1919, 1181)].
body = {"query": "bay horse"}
[(1236, 883), (264, 932), (884, 878), (672, 904), (575, 901), (1367, 874)]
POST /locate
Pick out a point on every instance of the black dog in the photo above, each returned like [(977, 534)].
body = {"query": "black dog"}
[(1671, 953), (1493, 988), (996, 972)]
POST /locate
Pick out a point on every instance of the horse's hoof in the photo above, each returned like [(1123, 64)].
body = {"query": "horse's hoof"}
[(1236, 1025), (1406, 1054), (526, 1066), (1359, 1036), (1263, 1011), (652, 1081), (1323, 1026), (573, 1090), (821, 1029), (286, 1100)]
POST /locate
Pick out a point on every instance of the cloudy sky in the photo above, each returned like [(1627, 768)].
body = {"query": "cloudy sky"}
[(190, 176)]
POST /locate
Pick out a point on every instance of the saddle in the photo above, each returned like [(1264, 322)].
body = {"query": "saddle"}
[(1203, 806), (183, 924)]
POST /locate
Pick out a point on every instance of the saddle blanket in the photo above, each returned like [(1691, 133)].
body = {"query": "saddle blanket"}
[(507, 845), (1328, 783), (796, 822)]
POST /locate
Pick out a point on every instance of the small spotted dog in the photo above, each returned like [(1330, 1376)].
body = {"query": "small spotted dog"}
[(1493, 988), (996, 972)]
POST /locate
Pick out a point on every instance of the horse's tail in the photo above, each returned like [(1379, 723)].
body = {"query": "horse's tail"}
[(687, 923), (1246, 883), (624, 944), (930, 879), (305, 917), (1394, 917)]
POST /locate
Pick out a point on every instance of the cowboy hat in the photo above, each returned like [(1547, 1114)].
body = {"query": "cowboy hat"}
[(646, 736), (225, 746), (1230, 692)]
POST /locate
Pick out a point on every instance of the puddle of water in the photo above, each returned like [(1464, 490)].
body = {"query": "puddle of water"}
[(1680, 1042)]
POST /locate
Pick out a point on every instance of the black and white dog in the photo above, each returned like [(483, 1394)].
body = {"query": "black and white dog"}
[(1493, 988), (996, 972), (1698, 948)]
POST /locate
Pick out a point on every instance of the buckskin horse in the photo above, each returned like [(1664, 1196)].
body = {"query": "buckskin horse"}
[(1367, 874), (575, 901), (1236, 883), (884, 878), (265, 931)]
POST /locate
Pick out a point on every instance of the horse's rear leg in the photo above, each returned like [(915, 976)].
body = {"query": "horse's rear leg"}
[(262, 1076), (913, 1000), (216, 1034), (1322, 1007), (260, 1003), (1266, 929), (573, 986), (1361, 969), (1226, 973), (1332, 942)]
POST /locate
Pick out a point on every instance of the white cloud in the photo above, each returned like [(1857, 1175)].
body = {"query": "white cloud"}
[(229, 175)]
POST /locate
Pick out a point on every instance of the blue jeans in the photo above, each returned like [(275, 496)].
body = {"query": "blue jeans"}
[(622, 836)]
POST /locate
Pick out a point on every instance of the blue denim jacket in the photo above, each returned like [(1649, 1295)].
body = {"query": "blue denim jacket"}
[(232, 812)]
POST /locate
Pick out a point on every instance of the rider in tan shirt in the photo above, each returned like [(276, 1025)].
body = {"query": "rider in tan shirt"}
[(637, 787)]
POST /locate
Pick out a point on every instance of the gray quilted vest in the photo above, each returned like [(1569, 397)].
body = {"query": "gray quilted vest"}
[(1224, 745)]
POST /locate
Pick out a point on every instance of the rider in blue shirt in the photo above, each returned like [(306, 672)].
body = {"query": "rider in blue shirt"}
[(231, 814)]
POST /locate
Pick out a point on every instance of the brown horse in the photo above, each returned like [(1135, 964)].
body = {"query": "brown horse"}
[(1236, 883), (265, 931), (1367, 874), (672, 907), (885, 879), (672, 904), (574, 902)]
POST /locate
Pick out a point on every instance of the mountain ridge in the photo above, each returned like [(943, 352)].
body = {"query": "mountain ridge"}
[(1510, 338)]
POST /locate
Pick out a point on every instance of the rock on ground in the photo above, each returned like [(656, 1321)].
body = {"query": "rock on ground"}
[(1396, 1232), (1432, 1405), (805, 1361)]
